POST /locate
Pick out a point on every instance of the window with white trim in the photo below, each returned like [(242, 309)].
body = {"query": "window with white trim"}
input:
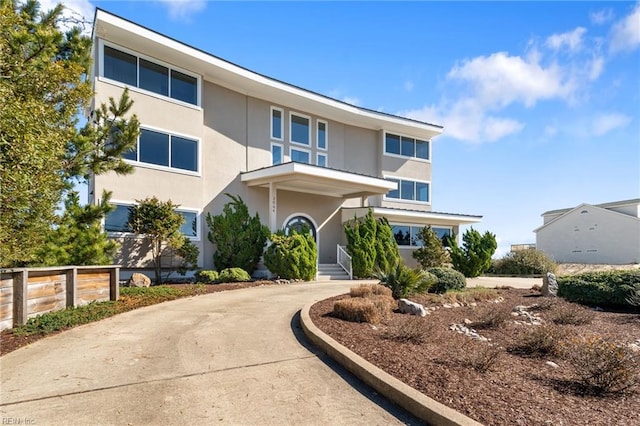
[(118, 221), (321, 160), (138, 71), (166, 150), (276, 154), (321, 139), (404, 146), (409, 190), (300, 129), (277, 124), (300, 155), (407, 235)]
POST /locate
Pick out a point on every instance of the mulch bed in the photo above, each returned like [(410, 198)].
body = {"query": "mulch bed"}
[(517, 390), (10, 342)]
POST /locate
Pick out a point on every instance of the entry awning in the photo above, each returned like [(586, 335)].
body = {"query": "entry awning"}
[(415, 217), (310, 179)]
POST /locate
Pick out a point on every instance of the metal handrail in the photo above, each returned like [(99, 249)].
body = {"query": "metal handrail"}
[(344, 260)]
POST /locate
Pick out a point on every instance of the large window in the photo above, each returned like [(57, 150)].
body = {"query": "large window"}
[(406, 147), (164, 149), (407, 235), (409, 190), (118, 221), (136, 71), (300, 156), (300, 129)]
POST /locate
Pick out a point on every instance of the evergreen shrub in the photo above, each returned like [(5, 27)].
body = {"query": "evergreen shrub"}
[(292, 256), (524, 262), (206, 276), (447, 279), (234, 275), (605, 288)]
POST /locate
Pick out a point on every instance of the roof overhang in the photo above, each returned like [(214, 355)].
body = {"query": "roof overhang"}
[(124, 32), (310, 179), (411, 216)]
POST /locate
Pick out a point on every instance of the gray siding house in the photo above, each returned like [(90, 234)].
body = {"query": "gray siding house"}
[(210, 127)]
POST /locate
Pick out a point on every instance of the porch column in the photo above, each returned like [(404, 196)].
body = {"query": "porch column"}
[(273, 206)]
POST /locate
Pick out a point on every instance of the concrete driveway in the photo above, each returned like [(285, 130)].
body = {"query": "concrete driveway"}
[(235, 357)]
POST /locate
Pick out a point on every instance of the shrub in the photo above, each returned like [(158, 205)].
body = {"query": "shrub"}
[(206, 276), (540, 341), (234, 275), (474, 257), (432, 253), (292, 256), (371, 245), (447, 279), (524, 262), (368, 290), (404, 281), (491, 317), (601, 366), (634, 295), (482, 357), (571, 315), (413, 330), (239, 238), (607, 288), (357, 309)]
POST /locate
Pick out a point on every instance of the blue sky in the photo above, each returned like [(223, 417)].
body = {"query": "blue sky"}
[(540, 101)]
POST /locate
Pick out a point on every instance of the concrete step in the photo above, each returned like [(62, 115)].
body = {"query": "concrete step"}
[(328, 272)]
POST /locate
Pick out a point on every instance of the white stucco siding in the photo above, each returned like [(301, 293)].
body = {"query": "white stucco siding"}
[(591, 235)]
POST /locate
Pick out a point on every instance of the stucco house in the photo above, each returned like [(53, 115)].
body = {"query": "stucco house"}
[(606, 233), (210, 127)]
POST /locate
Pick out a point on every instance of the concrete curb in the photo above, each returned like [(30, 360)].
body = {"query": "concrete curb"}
[(418, 404)]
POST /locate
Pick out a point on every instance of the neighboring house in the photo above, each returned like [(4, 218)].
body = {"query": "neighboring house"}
[(598, 234), (522, 247), (296, 157)]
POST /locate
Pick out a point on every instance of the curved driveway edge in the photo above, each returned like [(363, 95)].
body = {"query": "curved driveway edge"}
[(418, 404)]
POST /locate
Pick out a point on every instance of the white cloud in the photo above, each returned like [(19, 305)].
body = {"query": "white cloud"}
[(572, 40), (500, 79), (496, 128), (607, 122), (595, 68), (408, 86), (76, 13), (550, 130), (601, 17), (183, 9), (625, 34)]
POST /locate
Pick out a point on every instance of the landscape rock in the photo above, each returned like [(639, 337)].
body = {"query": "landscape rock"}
[(549, 285), (406, 306), (552, 364), (139, 280)]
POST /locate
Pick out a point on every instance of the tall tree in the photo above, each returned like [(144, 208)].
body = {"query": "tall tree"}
[(44, 86), (474, 257), (432, 253)]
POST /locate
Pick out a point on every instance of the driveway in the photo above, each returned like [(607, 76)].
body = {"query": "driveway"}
[(234, 357)]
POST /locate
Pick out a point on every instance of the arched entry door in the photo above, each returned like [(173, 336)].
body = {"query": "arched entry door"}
[(300, 223)]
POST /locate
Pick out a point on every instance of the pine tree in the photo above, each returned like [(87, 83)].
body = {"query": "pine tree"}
[(431, 254), (474, 257)]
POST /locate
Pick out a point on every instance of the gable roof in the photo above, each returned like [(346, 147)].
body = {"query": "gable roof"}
[(227, 74), (603, 207)]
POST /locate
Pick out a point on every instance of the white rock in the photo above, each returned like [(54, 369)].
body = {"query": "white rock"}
[(552, 364), (406, 306)]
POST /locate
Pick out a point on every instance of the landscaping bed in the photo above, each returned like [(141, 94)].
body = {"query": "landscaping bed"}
[(496, 382)]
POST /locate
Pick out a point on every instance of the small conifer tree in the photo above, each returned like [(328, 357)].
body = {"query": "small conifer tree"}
[(474, 257), (431, 253)]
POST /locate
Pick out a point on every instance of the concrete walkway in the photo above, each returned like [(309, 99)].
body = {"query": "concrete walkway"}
[(235, 357)]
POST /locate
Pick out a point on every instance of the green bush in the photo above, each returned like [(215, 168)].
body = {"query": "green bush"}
[(607, 288), (404, 281), (432, 253), (447, 279), (474, 257), (292, 256), (234, 275), (371, 245), (207, 277), (524, 262)]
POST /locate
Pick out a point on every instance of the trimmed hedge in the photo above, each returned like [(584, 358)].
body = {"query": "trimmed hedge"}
[(608, 288), (234, 275), (207, 276), (448, 279)]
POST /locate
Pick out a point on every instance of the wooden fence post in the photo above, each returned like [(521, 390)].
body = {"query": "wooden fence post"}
[(114, 283), (72, 286), (20, 280)]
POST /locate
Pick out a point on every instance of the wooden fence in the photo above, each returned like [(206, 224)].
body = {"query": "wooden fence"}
[(27, 292)]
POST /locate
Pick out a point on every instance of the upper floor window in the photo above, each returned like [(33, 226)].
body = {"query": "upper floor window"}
[(118, 221), (409, 190), (164, 149), (322, 135), (300, 129), (276, 154), (321, 160), (406, 146), (137, 71), (276, 124)]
